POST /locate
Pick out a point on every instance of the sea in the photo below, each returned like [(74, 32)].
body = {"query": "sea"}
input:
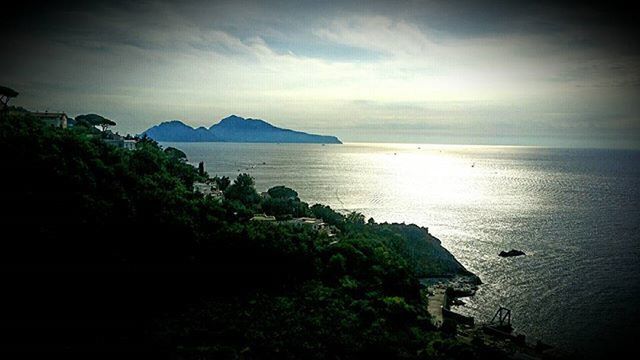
[(574, 212)]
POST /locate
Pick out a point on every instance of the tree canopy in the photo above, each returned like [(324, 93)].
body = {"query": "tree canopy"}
[(8, 92), (243, 190), (282, 192), (222, 182), (111, 249), (95, 120), (175, 153)]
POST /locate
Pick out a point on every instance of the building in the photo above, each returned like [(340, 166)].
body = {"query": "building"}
[(58, 120), (208, 189), (118, 140), (263, 217), (315, 224), (129, 144), (122, 143), (217, 195), (203, 188)]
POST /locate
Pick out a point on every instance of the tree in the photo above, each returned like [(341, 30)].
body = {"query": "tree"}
[(283, 192), (278, 287), (284, 201), (6, 94), (355, 218), (82, 122), (244, 180), (176, 154), (327, 214), (106, 123), (96, 120), (337, 265), (243, 190), (222, 182)]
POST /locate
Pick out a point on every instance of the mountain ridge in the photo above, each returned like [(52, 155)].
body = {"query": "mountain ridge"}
[(234, 128)]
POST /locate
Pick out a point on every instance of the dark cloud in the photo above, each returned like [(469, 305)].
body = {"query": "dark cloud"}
[(69, 49), (608, 24)]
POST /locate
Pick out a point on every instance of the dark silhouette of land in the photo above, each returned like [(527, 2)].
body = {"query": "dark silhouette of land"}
[(111, 250), (234, 129)]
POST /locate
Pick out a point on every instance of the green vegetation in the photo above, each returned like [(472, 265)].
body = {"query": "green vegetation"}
[(222, 182), (94, 120), (177, 154), (5, 95), (8, 92), (110, 249), (283, 192), (283, 203)]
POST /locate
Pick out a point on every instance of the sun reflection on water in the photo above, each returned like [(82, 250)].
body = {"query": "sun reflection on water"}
[(556, 205)]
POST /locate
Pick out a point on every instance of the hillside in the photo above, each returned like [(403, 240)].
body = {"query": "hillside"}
[(110, 250), (234, 129)]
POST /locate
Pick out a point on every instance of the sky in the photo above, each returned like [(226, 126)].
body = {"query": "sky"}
[(542, 73)]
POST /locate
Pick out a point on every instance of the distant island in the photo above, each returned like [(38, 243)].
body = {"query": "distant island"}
[(234, 129)]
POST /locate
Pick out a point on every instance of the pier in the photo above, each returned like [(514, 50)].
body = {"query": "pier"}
[(437, 302), (498, 333)]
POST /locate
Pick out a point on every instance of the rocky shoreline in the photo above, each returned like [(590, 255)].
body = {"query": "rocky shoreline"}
[(497, 338)]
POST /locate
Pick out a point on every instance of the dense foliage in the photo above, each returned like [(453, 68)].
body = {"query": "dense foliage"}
[(107, 248), (94, 120)]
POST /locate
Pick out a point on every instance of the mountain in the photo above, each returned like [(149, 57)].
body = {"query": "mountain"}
[(235, 129), (179, 132)]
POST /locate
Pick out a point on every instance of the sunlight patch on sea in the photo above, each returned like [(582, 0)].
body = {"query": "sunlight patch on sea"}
[(575, 213)]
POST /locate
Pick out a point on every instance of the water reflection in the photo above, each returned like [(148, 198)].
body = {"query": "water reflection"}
[(574, 212)]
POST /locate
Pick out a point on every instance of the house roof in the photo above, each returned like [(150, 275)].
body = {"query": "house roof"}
[(262, 217), (307, 220)]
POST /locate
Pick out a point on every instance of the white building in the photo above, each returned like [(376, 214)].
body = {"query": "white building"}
[(315, 224), (263, 217), (129, 144), (203, 188), (58, 120), (208, 189), (121, 143)]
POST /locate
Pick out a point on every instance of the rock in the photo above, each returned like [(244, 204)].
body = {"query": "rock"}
[(510, 253), (457, 302)]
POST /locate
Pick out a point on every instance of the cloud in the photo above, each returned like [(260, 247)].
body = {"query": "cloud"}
[(432, 67)]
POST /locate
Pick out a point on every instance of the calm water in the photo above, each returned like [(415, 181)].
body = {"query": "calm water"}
[(574, 212)]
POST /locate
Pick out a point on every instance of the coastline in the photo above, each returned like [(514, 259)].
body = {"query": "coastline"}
[(458, 283), (368, 274), (444, 292)]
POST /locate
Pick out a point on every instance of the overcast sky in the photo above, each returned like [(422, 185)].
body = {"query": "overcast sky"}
[(470, 72)]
